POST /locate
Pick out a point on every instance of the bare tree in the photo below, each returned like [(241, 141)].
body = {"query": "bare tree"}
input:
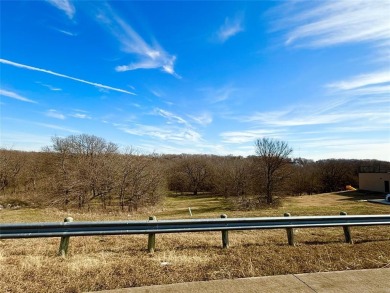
[(232, 178), (177, 180), (189, 173), (334, 174), (304, 177), (139, 180), (84, 168), (273, 155), (196, 170), (11, 163)]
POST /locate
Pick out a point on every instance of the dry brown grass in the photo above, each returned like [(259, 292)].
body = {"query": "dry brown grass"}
[(107, 262)]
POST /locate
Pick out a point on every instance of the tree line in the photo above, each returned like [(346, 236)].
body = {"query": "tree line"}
[(86, 171)]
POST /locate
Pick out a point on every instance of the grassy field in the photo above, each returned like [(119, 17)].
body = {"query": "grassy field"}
[(108, 262)]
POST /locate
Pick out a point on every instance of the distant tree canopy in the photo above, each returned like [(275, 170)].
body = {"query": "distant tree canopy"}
[(85, 170), (192, 173), (11, 163), (89, 168)]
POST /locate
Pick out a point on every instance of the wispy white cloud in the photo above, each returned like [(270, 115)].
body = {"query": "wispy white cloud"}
[(246, 136), (332, 140), (366, 90), (52, 126), (162, 95), (50, 87), (341, 147), (300, 118), (373, 90), (149, 56), (353, 128), (355, 104), (172, 118), (168, 148), (80, 116), (151, 63), (46, 125), (65, 5), (55, 114), (197, 148), (218, 94), (68, 33), (174, 134), (175, 129), (230, 28), (136, 105), (202, 119), (362, 81), (157, 93), (98, 85), (286, 121), (326, 23), (15, 96), (319, 126)]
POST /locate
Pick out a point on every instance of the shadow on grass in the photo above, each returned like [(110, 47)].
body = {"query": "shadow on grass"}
[(204, 210), (324, 242), (190, 196), (209, 247), (354, 195), (361, 241), (297, 243)]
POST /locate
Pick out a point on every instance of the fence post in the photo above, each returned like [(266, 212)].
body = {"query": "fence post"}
[(64, 244), (225, 235), (290, 232), (151, 237), (347, 231)]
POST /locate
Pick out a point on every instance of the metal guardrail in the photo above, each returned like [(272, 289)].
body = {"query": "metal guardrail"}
[(152, 227), (64, 229)]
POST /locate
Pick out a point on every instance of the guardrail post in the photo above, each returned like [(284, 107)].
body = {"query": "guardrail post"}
[(151, 237), (225, 235), (290, 232), (347, 231), (64, 244)]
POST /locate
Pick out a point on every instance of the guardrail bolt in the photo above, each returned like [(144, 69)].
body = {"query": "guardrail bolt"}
[(290, 232), (347, 231), (152, 237), (64, 244), (225, 235)]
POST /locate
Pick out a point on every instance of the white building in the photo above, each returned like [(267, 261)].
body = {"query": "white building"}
[(374, 182)]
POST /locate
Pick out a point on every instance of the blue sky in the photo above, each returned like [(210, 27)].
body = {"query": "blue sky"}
[(198, 76)]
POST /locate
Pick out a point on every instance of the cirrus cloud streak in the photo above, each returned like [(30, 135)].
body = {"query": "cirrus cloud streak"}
[(98, 85)]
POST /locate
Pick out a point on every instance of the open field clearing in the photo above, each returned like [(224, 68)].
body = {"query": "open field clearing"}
[(107, 262)]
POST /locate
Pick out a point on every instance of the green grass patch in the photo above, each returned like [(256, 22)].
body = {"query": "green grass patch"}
[(209, 206)]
